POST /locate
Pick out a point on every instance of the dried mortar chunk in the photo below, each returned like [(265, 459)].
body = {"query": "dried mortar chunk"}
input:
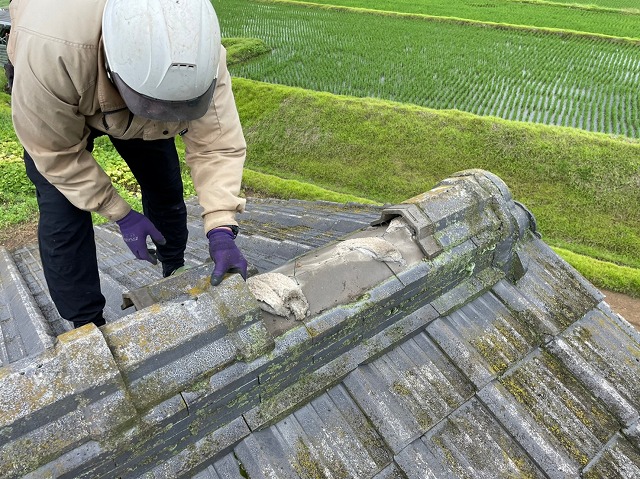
[(378, 248), (280, 295), (397, 224)]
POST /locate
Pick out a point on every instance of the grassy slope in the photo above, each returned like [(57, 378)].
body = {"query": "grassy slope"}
[(388, 152), (581, 187)]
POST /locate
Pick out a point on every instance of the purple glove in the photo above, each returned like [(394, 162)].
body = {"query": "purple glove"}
[(225, 254), (135, 228)]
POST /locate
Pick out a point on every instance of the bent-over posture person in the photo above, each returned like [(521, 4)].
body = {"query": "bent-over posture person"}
[(140, 72)]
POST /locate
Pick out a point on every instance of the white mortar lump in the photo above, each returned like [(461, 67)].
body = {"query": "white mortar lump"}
[(282, 295)]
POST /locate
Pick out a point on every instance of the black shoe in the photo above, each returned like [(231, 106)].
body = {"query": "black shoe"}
[(98, 322)]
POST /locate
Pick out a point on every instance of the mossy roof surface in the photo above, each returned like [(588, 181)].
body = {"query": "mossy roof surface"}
[(533, 377)]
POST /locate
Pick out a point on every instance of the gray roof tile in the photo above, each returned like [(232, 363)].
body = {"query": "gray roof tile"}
[(619, 459), (597, 338), (408, 390), (471, 443), (226, 468), (546, 453), (483, 337), (562, 408), (554, 288), (329, 437), (488, 357)]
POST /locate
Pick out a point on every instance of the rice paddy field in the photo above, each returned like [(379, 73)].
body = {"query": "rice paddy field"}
[(417, 54), (611, 18), (472, 84)]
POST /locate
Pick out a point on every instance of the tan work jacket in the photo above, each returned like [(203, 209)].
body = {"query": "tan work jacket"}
[(61, 89)]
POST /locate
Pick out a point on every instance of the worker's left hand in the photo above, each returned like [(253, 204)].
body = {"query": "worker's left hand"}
[(225, 254), (135, 228)]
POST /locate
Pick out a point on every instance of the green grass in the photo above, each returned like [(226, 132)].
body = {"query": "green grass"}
[(604, 274), (17, 198), (240, 50), (583, 188), (274, 186), (585, 83), (579, 185), (612, 21)]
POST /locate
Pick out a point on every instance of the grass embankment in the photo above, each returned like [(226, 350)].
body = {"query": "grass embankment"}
[(583, 188)]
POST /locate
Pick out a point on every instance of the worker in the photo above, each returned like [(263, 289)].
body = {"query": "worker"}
[(140, 72)]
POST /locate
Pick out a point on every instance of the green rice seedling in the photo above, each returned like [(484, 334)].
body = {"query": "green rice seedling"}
[(439, 64), (616, 18)]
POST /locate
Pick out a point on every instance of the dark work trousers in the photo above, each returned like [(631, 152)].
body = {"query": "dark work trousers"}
[(65, 233)]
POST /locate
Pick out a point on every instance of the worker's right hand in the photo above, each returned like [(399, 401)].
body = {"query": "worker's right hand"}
[(135, 228), (225, 254)]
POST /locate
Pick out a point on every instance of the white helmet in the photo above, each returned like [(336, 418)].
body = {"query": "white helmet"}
[(162, 55)]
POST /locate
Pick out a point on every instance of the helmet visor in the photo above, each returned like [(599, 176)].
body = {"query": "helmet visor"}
[(163, 110)]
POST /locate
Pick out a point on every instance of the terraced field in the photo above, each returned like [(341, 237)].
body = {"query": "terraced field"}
[(519, 74), (613, 18)]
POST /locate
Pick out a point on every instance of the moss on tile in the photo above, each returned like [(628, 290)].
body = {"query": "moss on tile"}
[(199, 386), (583, 334), (527, 384), (308, 467), (526, 469), (259, 342), (202, 285), (619, 460), (493, 351), (400, 389), (450, 458), (305, 464), (367, 434), (504, 345)]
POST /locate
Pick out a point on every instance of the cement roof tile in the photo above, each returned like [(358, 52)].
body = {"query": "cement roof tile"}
[(392, 471), (537, 442), (483, 338), (605, 357), (540, 407), (263, 457), (408, 390), (561, 406), (619, 459), (11, 346), (418, 462), (471, 443), (331, 434)]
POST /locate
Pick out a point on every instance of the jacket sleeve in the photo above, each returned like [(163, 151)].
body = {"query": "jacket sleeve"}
[(215, 151), (48, 103)]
